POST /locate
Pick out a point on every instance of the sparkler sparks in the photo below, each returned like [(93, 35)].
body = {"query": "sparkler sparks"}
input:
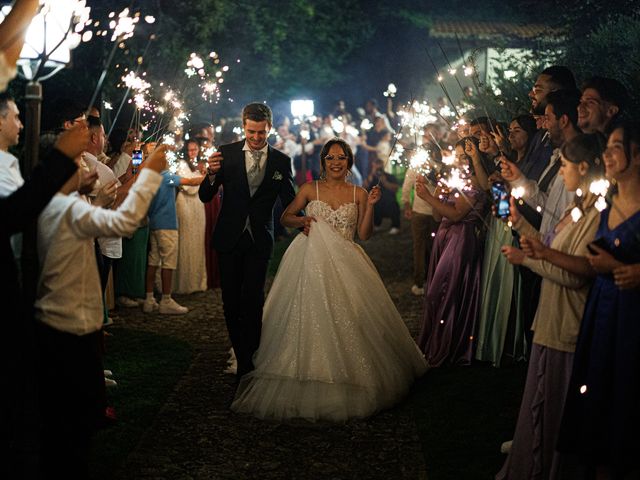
[(391, 91), (518, 192)]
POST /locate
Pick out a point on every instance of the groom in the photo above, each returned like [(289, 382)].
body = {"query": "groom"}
[(253, 174)]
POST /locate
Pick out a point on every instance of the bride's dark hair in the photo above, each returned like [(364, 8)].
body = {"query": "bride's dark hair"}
[(345, 148)]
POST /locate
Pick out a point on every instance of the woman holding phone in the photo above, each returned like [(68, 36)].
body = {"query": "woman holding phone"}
[(601, 418)]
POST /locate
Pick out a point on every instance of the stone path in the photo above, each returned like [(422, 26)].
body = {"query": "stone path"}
[(196, 436)]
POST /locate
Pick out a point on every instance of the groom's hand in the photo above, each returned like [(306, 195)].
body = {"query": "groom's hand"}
[(214, 163), (306, 225)]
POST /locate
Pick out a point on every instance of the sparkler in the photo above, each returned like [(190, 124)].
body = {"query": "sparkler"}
[(122, 29)]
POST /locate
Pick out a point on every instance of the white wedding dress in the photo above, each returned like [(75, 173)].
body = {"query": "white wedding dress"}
[(333, 344)]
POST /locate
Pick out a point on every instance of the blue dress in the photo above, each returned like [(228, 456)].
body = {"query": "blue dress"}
[(602, 413)]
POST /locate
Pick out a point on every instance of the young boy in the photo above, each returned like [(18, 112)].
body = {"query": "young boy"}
[(163, 237)]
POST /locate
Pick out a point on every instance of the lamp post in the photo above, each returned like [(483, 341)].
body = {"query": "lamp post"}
[(51, 36)]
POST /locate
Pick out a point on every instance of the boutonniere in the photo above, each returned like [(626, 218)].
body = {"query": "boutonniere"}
[(277, 175)]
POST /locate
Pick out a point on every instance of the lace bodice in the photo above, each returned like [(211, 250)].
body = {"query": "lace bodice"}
[(344, 218)]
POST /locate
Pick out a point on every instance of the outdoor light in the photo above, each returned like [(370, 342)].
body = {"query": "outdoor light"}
[(302, 108), (52, 34)]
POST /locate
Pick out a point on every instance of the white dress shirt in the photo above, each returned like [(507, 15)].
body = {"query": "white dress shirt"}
[(11, 180), (120, 167), (69, 298), (248, 159), (10, 176), (110, 247)]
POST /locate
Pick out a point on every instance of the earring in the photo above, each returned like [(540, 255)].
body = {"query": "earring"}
[(323, 174)]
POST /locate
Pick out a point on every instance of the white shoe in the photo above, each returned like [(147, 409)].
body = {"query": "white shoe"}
[(417, 291), (506, 447), (394, 231), (149, 305), (171, 307), (108, 373), (126, 302), (109, 382)]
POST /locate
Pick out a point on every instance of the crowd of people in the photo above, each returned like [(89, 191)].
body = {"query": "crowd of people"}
[(550, 275), (553, 280)]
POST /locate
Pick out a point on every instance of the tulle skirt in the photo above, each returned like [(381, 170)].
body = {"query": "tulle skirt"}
[(333, 344)]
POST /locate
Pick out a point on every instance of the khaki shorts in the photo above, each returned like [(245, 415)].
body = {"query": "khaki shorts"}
[(164, 249)]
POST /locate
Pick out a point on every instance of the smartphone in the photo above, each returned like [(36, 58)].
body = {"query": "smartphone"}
[(598, 242), (136, 159), (500, 199)]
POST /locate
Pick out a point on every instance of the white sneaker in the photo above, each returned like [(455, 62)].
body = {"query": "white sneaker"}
[(394, 231), (149, 305), (171, 307), (417, 291), (108, 373), (126, 302), (110, 382), (506, 447)]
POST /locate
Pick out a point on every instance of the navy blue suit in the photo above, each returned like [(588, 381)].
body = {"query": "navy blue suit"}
[(243, 256)]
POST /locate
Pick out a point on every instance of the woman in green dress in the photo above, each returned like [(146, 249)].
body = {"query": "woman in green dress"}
[(500, 328)]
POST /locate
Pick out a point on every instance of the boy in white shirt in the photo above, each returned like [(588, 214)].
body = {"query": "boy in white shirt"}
[(69, 316)]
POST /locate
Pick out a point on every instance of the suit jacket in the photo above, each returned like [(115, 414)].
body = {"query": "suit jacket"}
[(238, 204)]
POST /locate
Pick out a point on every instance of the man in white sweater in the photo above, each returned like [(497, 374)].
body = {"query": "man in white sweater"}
[(69, 315)]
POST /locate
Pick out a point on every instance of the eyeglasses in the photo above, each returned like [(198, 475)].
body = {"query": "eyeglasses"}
[(341, 158)]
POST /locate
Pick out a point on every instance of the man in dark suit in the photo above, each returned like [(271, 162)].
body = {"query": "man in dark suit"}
[(253, 175)]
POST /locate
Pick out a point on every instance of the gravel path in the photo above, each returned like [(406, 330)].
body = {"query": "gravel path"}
[(196, 436)]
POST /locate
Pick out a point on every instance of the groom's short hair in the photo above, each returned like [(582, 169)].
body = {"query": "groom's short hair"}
[(258, 112)]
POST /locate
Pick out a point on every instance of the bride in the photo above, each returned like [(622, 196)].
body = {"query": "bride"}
[(333, 344)]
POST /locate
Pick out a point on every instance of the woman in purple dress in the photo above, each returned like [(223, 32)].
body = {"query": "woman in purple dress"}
[(452, 300)]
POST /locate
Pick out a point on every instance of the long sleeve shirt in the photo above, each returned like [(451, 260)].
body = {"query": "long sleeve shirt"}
[(563, 294), (69, 292)]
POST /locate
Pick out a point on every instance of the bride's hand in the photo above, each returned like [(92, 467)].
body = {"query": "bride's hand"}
[(374, 195), (306, 225)]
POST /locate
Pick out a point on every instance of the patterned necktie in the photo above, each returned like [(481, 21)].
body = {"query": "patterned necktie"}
[(256, 155)]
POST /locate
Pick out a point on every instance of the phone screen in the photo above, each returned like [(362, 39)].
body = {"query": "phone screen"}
[(136, 159), (500, 199)]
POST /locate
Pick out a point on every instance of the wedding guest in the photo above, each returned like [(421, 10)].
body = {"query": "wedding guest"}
[(452, 298), (19, 209), (163, 249), (600, 422), (69, 316), (423, 228), (388, 206), (566, 279), (190, 274), (604, 101), (501, 324), (10, 176)]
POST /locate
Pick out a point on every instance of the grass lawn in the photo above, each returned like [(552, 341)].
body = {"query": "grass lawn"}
[(146, 367), (463, 415)]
